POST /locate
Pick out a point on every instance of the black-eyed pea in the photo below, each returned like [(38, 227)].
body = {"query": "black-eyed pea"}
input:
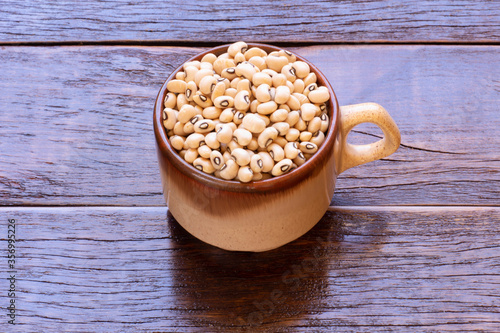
[(211, 140), (292, 135), (265, 118), (282, 167), (207, 84), (267, 136), (190, 90), (234, 82), (314, 125), (216, 159), (246, 70), (181, 101), (219, 90), (269, 72), (182, 153), (289, 72), (278, 115), (241, 156), (232, 145), (298, 86), (206, 65), (301, 98), (229, 170), (211, 112), (176, 86), (272, 92), (204, 151), (257, 176), (169, 117), (267, 161), (194, 63), (267, 107), (239, 58), (222, 63), (310, 78), (238, 117), (253, 123), (282, 94), (170, 100), (242, 101), (293, 103), (177, 142), (233, 125), (244, 84), (200, 74), (301, 68), (231, 92), (253, 145), (254, 52), (276, 152), (237, 47), (253, 105), (261, 78), (256, 163), (301, 125), (291, 150), (189, 126), (280, 141), (322, 107), (224, 102), (282, 128), (195, 140), (320, 95), (318, 138), (308, 147), (224, 134), (204, 164), (258, 62), (290, 56), (190, 73), (242, 136), (284, 106), (324, 122), (262, 93), (180, 76), (309, 88), (305, 136), (186, 112), (227, 115), (292, 118), (308, 111), (276, 62), (300, 159), (202, 100), (209, 57), (279, 79), (179, 129), (245, 174), (229, 73), (191, 155), (227, 156)]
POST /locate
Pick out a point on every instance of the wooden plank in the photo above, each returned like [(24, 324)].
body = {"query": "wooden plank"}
[(260, 20), (77, 128), (363, 269)]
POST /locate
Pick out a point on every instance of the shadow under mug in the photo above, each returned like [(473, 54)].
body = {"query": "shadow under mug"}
[(266, 214)]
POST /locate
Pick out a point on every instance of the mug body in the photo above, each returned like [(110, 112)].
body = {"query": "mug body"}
[(255, 216)]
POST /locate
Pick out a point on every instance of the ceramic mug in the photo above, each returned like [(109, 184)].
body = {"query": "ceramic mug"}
[(266, 214)]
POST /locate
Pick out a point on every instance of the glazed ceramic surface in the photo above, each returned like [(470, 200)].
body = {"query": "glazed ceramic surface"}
[(263, 215)]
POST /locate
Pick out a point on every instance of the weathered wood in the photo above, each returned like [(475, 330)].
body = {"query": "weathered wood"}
[(76, 123), (363, 269), (260, 20)]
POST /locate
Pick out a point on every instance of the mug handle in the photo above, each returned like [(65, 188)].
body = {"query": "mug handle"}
[(352, 115)]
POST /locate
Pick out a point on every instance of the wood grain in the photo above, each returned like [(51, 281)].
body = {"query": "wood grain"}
[(258, 21), (76, 123), (364, 269)]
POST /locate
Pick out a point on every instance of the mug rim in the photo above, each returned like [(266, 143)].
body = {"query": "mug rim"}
[(275, 183)]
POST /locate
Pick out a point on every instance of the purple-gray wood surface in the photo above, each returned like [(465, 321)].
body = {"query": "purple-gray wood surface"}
[(410, 244)]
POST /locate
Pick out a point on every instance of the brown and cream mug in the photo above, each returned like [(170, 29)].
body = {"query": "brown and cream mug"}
[(265, 214)]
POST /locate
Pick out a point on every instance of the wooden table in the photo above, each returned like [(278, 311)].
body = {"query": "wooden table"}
[(411, 243)]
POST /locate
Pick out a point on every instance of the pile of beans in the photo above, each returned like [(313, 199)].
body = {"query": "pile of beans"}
[(246, 115)]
